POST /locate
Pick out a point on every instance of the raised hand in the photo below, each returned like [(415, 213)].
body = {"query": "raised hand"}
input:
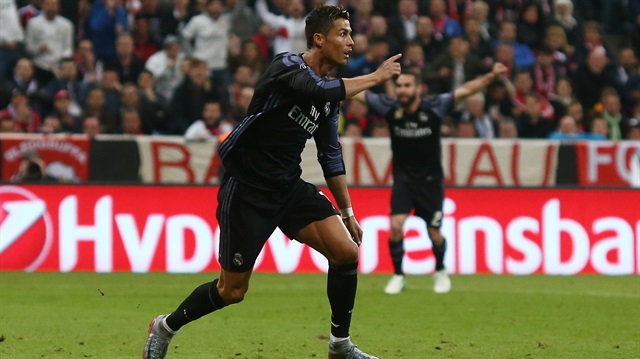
[(389, 68)]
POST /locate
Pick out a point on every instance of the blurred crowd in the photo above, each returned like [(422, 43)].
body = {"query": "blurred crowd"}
[(188, 67)]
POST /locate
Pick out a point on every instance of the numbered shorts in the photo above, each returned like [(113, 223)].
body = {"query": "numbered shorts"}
[(248, 216), (425, 198)]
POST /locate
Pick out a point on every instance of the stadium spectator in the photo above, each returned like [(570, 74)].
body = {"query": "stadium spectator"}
[(51, 124), (563, 16), (465, 129), (380, 129), (69, 121), (48, 39), (210, 125), (244, 22), (612, 113), (189, 98), (414, 126), (131, 123), (209, 32), (377, 51), (591, 40), (380, 30), (352, 129), (11, 39), (149, 13), (66, 80), (20, 112), (239, 110), (357, 113), (24, 81), (498, 103), (628, 71), (126, 63), (289, 28), (94, 107), (504, 10), (29, 11), (576, 111), (523, 86), (507, 128), (174, 18), (563, 52), (402, 24), (478, 46), (8, 125), (283, 199), (361, 17), (413, 58), (146, 112), (145, 45), (89, 67), (107, 20), (480, 120), (598, 126), (432, 46), (567, 130), (545, 72), (592, 77), (250, 56), (443, 26), (455, 67), (152, 104), (531, 122), (522, 54), (112, 87), (91, 126), (531, 25), (562, 97), (460, 10), (480, 13), (165, 67)]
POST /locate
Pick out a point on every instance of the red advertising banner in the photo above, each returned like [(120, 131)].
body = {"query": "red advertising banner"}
[(65, 157), (173, 229), (606, 163)]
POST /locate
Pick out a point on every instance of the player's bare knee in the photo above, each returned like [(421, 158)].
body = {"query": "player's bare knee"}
[(435, 235), (233, 296), (347, 256)]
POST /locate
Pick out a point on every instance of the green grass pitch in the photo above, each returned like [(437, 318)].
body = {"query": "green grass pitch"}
[(86, 315)]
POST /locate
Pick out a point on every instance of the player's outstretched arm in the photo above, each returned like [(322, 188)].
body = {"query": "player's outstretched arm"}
[(387, 70), (473, 86)]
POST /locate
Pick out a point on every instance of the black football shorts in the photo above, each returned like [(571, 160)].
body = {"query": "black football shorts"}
[(248, 216), (424, 197)]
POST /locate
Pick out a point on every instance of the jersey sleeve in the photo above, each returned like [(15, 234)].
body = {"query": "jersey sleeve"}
[(440, 104), (380, 104), (329, 148), (301, 79)]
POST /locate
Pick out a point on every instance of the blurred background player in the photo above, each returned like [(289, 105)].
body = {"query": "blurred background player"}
[(414, 126)]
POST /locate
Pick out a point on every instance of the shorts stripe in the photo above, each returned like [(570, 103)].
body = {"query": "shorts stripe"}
[(225, 221)]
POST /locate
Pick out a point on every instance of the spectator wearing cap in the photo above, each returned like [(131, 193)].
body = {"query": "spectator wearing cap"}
[(165, 67), (69, 119), (49, 38), (11, 38), (26, 120)]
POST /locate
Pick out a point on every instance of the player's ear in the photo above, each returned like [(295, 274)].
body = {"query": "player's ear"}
[(318, 39)]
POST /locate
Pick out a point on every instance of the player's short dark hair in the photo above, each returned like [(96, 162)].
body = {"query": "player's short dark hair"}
[(408, 71), (321, 19)]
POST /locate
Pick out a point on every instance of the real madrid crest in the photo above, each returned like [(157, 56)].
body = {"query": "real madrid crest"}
[(327, 109), (423, 117)]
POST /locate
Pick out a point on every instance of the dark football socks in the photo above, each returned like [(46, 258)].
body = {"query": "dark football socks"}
[(396, 249), (342, 282), (438, 252), (202, 301)]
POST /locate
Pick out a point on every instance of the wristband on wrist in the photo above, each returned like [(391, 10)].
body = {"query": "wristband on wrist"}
[(346, 212)]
